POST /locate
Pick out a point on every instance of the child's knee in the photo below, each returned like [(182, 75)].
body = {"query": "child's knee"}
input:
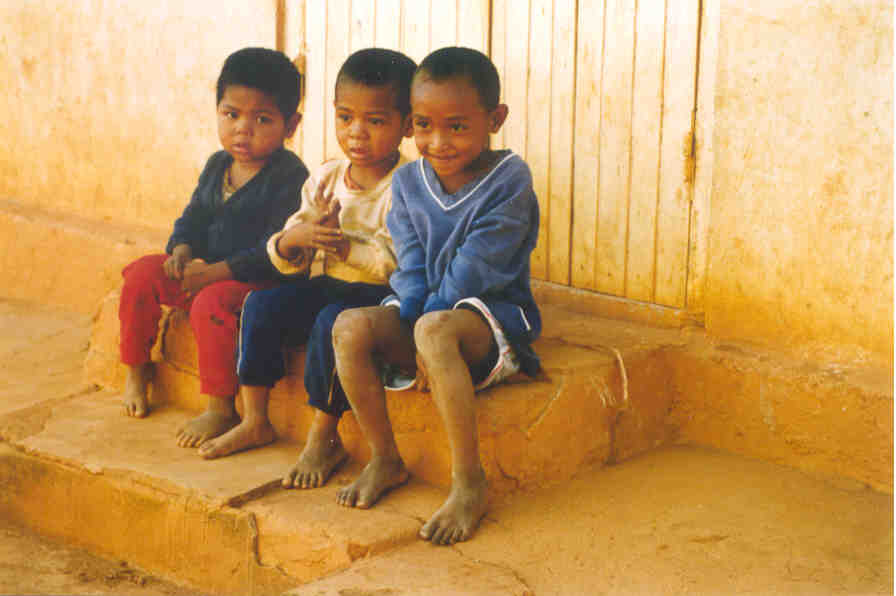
[(144, 271), (208, 306), (353, 330), (433, 330)]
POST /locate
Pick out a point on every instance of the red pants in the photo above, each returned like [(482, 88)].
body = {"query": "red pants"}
[(214, 318)]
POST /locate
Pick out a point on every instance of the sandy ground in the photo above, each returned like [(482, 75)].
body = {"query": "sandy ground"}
[(31, 564), (678, 520)]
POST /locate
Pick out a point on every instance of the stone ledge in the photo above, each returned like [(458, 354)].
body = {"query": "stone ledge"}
[(66, 261), (826, 419), (530, 430)]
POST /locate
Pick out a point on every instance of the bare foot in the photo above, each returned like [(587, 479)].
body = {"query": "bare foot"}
[(377, 477), (316, 462), (136, 404), (241, 437), (459, 515), (209, 424)]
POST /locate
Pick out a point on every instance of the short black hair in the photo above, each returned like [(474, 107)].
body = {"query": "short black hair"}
[(376, 67), (268, 71), (452, 62)]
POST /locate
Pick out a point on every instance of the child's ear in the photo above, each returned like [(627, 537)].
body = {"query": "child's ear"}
[(292, 124), (497, 117), (408, 126)]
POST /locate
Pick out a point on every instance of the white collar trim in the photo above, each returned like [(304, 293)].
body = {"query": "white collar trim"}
[(469, 194)]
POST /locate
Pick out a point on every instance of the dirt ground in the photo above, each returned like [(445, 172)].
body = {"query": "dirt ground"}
[(32, 564)]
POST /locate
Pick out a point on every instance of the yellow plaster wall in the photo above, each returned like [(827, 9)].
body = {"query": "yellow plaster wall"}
[(109, 107), (801, 240)]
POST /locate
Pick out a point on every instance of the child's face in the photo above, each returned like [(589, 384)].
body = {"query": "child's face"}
[(368, 125), (251, 126), (451, 127)]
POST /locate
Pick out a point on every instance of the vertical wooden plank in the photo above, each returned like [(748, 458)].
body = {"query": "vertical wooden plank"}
[(337, 43), (562, 122), (698, 259), (589, 60), (443, 24), (388, 24), (294, 46), (473, 25), (516, 75), (415, 43), (415, 29), (539, 124), (646, 119), (676, 159), (615, 146), (499, 58), (363, 22), (293, 27), (314, 120)]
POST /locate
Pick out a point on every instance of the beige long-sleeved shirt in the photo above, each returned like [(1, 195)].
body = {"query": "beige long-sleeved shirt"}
[(362, 217)]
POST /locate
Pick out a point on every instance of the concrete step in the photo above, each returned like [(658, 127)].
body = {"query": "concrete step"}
[(827, 418), (530, 430), (78, 469)]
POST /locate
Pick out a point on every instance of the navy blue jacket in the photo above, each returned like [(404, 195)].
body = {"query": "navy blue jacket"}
[(236, 230)]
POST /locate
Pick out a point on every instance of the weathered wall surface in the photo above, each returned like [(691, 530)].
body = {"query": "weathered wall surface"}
[(800, 249), (109, 116), (109, 107)]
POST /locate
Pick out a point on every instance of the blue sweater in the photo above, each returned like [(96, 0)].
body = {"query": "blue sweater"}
[(237, 230), (473, 243)]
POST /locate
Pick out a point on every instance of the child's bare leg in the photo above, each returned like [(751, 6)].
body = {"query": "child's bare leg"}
[(322, 454), (219, 417), (254, 430), (135, 401), (357, 335), (448, 341)]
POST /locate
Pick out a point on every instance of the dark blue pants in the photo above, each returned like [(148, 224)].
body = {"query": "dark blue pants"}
[(300, 312)]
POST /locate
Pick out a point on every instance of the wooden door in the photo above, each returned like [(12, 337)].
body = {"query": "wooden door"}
[(602, 97)]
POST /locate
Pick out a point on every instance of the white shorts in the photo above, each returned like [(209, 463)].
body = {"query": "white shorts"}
[(506, 363)]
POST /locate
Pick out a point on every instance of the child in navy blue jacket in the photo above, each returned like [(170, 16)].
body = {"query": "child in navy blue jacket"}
[(464, 221), (216, 253)]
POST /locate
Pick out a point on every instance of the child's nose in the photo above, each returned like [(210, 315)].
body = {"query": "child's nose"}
[(357, 128), (243, 125), (438, 139)]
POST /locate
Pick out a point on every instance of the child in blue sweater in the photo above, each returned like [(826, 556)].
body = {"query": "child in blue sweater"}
[(464, 221)]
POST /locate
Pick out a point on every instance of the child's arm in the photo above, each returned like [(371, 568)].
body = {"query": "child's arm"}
[(409, 279), (174, 265), (494, 254), (291, 249), (190, 226), (375, 256)]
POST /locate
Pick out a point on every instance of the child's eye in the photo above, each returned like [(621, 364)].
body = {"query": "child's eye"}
[(377, 121), (264, 120), (458, 127), (421, 124), (232, 115), (344, 117)]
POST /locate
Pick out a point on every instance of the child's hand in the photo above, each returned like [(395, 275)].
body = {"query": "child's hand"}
[(174, 265), (339, 248), (308, 235), (197, 274), (331, 215), (421, 383), (323, 200)]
